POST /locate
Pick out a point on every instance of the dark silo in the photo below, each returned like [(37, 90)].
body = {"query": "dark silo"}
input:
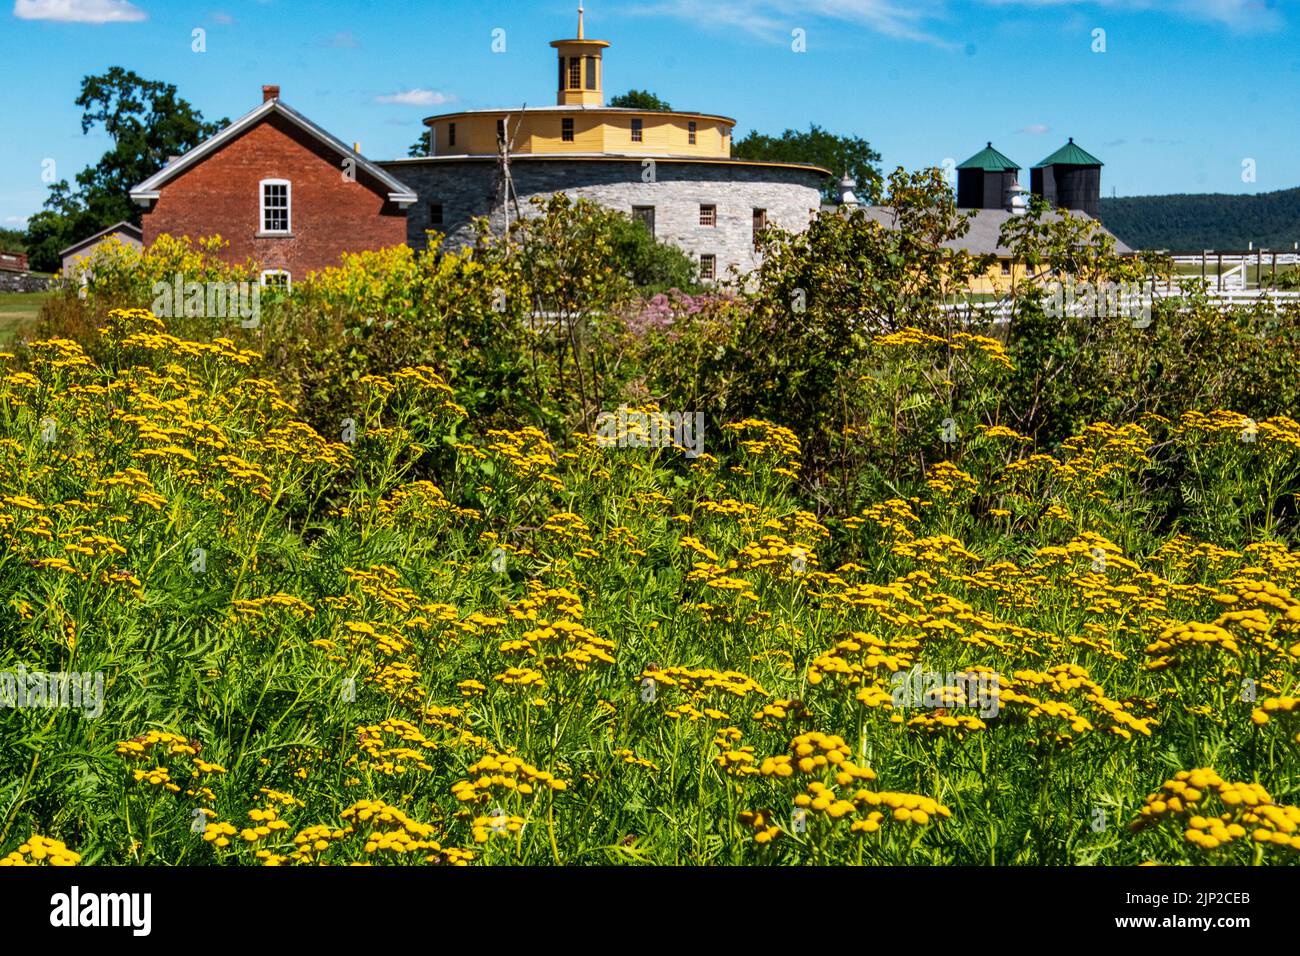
[(983, 180), (1069, 179)]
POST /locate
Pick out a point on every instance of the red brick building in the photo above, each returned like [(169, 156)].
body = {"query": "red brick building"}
[(280, 190)]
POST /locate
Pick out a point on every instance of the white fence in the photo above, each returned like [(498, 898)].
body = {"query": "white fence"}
[(1001, 310), (1230, 271)]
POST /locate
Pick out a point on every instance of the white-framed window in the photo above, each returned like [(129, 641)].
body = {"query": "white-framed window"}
[(636, 130), (276, 279), (276, 204)]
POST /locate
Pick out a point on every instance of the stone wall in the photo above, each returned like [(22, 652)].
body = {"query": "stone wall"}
[(24, 281), (466, 188)]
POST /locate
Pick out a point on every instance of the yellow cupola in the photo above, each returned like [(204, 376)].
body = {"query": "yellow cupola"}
[(580, 69)]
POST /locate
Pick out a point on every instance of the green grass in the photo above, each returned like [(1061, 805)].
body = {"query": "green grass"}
[(18, 310)]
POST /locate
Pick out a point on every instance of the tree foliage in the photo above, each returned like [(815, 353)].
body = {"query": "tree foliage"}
[(819, 147), (822, 294), (148, 123), (13, 240), (1191, 223), (640, 100)]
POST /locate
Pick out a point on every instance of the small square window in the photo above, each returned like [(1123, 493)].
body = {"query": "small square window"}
[(566, 130), (1006, 267), (690, 132), (646, 216), (708, 267), (276, 279), (636, 130), (435, 214), (708, 215)]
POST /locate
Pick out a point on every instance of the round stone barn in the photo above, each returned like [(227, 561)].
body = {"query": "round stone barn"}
[(671, 170)]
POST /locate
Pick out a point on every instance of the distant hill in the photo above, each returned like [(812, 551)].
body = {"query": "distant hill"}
[(1192, 222)]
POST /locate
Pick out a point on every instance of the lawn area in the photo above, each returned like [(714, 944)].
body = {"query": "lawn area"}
[(18, 309)]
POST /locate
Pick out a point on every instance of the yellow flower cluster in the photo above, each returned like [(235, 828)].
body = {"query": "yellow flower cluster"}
[(1249, 809), (37, 850), (1276, 707), (774, 445), (504, 773), (947, 479), (815, 752)]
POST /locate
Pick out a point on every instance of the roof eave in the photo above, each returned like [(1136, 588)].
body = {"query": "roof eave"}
[(150, 189)]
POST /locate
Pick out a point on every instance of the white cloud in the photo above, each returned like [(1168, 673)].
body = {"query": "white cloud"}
[(79, 11), (343, 40), (222, 18), (920, 20), (15, 220), (776, 18), (1243, 16), (1035, 129), (416, 98)]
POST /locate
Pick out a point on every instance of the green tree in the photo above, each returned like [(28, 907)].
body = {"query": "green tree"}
[(148, 123), (421, 145), (802, 354), (13, 240), (651, 265), (640, 100), (819, 147)]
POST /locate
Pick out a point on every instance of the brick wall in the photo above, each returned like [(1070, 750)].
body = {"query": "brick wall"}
[(471, 187), (330, 215)]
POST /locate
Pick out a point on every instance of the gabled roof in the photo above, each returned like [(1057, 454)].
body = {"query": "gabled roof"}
[(1070, 155), (991, 161), (129, 228), (985, 232), (398, 192)]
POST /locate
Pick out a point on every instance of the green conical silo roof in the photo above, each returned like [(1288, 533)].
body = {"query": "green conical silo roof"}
[(989, 160), (1070, 155)]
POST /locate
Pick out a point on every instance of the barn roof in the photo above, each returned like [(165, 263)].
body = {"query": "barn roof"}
[(986, 229), (129, 228)]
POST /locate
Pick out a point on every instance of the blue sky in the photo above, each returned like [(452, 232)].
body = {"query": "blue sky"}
[(1185, 92)]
